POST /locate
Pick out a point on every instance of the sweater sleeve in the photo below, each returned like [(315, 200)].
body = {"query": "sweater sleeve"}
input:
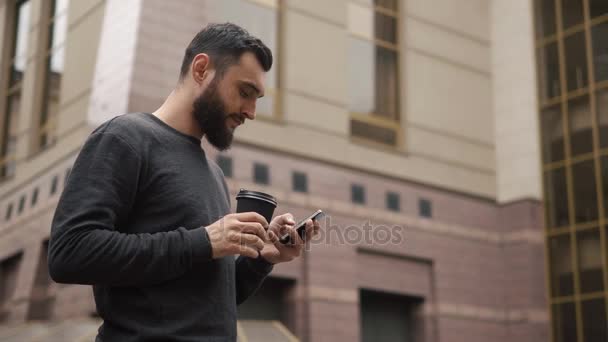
[(250, 273), (86, 247)]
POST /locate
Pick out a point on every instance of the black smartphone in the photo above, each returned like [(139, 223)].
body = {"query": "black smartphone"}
[(301, 226)]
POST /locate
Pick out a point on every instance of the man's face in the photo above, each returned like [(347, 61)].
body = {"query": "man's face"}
[(228, 100)]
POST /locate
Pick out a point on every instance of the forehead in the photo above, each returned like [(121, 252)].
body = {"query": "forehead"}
[(248, 69)]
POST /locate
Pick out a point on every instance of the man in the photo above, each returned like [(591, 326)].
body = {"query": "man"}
[(145, 217)]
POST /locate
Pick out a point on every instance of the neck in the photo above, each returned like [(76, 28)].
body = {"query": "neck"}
[(176, 112)]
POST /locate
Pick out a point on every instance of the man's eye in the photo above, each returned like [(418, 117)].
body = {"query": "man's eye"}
[(244, 94)]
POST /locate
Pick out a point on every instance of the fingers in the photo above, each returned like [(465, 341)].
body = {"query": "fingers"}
[(309, 229), (248, 252), (254, 228), (251, 241), (285, 219), (252, 217)]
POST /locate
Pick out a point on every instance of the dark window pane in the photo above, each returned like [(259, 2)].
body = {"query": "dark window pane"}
[(21, 204), (386, 317), (545, 17), (594, 320), (225, 163), (393, 201), (548, 69), (572, 12), (589, 261), (581, 136), (585, 192), (576, 61), (373, 82), (604, 167), (601, 99), (11, 127), (35, 197), (564, 322), (54, 184), (385, 27), (552, 131), (386, 83), (261, 174), (556, 198), (299, 182), (425, 208), (357, 194), (598, 7), (9, 212), (599, 35), (560, 256)]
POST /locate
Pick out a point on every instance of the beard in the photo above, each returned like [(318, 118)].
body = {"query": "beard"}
[(210, 112)]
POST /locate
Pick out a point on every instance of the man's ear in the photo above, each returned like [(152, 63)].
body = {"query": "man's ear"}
[(201, 65)]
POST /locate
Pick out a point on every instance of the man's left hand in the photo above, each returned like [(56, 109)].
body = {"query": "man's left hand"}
[(274, 251)]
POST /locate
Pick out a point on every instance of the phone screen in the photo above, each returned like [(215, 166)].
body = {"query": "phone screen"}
[(301, 226)]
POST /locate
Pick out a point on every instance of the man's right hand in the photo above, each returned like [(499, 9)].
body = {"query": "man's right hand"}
[(242, 233)]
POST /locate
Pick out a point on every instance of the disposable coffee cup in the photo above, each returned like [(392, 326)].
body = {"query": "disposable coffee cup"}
[(259, 202)]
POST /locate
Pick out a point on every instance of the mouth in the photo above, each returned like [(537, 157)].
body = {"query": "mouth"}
[(234, 122)]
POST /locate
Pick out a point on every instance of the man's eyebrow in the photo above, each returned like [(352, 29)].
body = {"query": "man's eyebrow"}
[(252, 86)]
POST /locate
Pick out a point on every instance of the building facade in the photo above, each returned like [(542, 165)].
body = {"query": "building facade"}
[(413, 123)]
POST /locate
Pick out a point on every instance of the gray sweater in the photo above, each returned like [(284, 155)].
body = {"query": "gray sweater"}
[(130, 222)]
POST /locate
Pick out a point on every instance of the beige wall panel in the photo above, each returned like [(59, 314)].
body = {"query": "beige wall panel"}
[(305, 111), (469, 17), (316, 68), (334, 10), (449, 98)]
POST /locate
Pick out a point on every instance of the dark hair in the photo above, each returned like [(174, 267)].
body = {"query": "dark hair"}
[(225, 44)]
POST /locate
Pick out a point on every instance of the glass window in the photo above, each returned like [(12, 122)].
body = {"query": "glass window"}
[(545, 17), (572, 12), (21, 204), (594, 320), (601, 100), (393, 201), (261, 21), (579, 117), (590, 261), (22, 27), (585, 192), (604, 167), (225, 163), (425, 208), (9, 212), (16, 67), (299, 182), (373, 79), (35, 197), (385, 317), (54, 184), (564, 322), (552, 131), (261, 175), (556, 198), (576, 61), (55, 60), (600, 51), (598, 7), (560, 256), (357, 194), (548, 69), (373, 67)]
